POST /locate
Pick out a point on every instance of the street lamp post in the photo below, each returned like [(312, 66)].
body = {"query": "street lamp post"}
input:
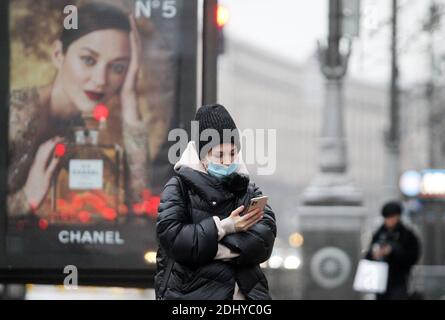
[(391, 190), (332, 186), (331, 217), (210, 52)]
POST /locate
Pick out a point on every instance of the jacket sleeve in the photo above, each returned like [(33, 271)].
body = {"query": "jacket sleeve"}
[(368, 255), (193, 244), (406, 253), (256, 244)]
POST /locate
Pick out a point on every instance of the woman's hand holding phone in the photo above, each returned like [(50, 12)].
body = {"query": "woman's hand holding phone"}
[(246, 221)]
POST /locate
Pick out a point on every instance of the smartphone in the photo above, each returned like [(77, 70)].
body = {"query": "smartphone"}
[(259, 202)]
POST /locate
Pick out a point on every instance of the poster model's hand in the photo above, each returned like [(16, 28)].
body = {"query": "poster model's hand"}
[(128, 92), (39, 177)]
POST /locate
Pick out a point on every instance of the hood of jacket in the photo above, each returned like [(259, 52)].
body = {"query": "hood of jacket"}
[(193, 173)]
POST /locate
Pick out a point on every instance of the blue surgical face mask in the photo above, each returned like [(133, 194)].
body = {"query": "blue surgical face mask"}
[(220, 171)]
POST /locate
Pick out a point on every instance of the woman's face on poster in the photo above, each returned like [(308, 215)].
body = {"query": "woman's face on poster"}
[(94, 67)]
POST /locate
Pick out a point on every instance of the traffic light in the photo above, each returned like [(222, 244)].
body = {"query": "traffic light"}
[(222, 17)]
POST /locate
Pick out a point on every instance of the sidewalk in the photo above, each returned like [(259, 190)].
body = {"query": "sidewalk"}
[(47, 292)]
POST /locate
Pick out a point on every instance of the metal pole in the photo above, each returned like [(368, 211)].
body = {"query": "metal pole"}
[(333, 144), (393, 134), (435, 154), (210, 53), (335, 33), (332, 186)]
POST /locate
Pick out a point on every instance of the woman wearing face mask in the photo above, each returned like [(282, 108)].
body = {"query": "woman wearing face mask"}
[(207, 250), (95, 63)]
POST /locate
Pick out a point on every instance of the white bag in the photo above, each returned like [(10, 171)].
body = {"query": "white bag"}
[(371, 276)]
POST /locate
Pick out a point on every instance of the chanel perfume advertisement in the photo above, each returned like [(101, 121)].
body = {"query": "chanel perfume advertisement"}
[(94, 88)]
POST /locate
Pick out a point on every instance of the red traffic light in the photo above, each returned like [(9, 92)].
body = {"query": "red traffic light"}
[(222, 16)]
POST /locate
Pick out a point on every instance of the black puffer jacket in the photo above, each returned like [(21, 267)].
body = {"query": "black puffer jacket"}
[(191, 240), (404, 254)]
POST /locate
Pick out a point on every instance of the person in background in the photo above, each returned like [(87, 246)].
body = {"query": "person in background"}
[(395, 244)]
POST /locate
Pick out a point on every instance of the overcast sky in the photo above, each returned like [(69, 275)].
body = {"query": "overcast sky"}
[(290, 29)]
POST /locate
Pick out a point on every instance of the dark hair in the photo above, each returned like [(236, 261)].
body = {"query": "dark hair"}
[(93, 17), (391, 209)]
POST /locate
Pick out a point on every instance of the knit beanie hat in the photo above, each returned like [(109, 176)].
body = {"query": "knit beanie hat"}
[(216, 117)]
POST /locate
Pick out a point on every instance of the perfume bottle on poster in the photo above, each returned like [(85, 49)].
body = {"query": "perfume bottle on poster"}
[(88, 186)]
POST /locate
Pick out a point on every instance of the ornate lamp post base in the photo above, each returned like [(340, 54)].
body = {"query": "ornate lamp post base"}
[(332, 189)]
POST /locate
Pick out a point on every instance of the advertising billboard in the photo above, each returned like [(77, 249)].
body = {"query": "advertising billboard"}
[(91, 92)]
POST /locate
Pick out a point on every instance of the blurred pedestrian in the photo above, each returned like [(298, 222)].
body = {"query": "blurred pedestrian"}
[(209, 247), (395, 244)]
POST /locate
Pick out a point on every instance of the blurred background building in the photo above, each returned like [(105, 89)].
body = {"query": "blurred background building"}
[(269, 77)]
